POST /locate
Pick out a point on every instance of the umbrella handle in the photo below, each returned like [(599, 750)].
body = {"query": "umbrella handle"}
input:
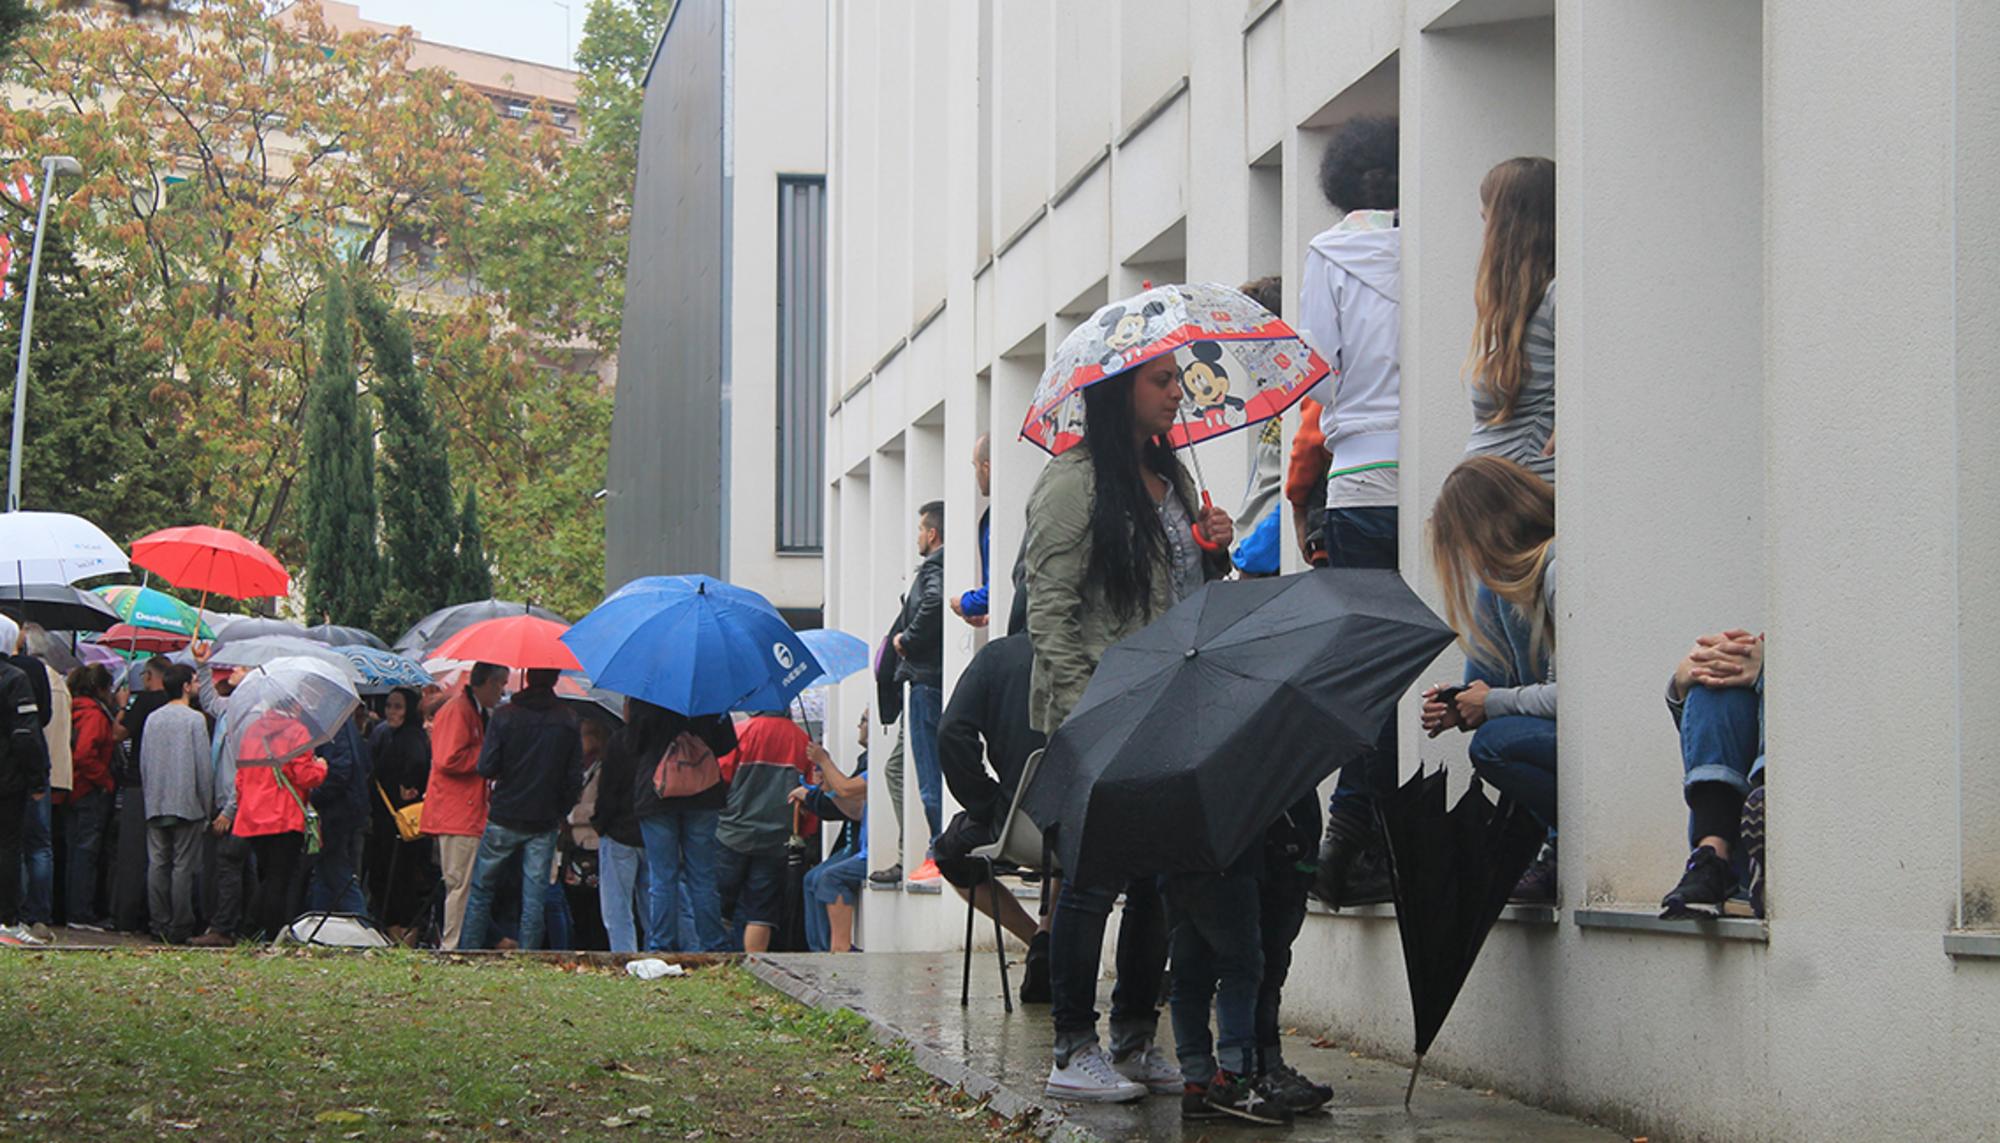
[(1201, 540)]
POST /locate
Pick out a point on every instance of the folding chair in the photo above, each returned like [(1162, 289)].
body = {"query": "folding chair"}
[(1020, 845)]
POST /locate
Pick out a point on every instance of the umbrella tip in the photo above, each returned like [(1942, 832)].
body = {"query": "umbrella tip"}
[(1411, 1089)]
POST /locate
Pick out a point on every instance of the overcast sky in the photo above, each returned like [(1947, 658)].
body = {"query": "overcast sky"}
[(523, 29)]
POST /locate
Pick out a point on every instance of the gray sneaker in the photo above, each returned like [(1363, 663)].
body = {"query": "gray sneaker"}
[(1152, 1068), (1090, 1078)]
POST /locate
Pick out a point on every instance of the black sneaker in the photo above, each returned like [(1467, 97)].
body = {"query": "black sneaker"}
[(1753, 847), (1351, 872), (1295, 1091), (1538, 885), (1248, 1098), (1194, 1103), (1705, 886), (890, 876), (1035, 977)]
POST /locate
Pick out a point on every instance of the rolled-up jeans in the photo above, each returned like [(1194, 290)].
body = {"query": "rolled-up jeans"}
[(537, 850), (1218, 957), (618, 868), (1721, 732), (1076, 942)]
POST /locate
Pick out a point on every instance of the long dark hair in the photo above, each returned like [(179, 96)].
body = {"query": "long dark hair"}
[(1125, 533), (649, 729)]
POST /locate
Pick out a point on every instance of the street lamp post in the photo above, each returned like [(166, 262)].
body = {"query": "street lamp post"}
[(52, 166)]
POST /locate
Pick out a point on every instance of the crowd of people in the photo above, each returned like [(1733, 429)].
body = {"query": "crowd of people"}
[(469, 818)]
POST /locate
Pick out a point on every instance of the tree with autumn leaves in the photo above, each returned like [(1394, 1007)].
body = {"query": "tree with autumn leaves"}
[(232, 155)]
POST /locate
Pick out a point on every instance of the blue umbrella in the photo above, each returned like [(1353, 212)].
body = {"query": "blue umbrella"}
[(837, 651), (383, 671), (694, 645)]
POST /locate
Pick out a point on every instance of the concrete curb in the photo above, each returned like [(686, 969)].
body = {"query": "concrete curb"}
[(1044, 1119)]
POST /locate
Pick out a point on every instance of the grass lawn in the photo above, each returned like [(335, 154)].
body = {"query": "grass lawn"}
[(404, 1046)]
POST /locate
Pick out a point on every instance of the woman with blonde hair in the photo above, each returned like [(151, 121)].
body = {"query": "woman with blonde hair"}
[(1493, 541), (1512, 366)]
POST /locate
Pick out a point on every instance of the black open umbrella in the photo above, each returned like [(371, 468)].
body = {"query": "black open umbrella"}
[(1452, 873), (57, 607), (1196, 733), (426, 634), (335, 635)]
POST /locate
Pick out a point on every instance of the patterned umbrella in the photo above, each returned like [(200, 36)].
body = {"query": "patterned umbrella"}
[(383, 671), (1240, 365), (154, 610)]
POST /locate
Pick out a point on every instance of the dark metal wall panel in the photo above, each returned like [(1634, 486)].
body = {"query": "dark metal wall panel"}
[(663, 513), (801, 428)]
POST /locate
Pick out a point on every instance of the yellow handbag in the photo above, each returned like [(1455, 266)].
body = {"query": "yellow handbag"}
[(409, 820)]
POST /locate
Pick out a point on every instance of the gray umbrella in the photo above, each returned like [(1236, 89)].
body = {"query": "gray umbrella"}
[(335, 635), (1197, 732), (57, 607), (236, 630)]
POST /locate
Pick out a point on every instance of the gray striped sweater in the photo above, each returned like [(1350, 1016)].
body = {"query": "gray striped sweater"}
[(1523, 436)]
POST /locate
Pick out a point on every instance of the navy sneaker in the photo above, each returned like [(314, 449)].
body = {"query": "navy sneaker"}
[(1247, 1098), (1705, 887), (1753, 847)]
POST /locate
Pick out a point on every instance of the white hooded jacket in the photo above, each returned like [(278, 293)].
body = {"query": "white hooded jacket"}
[(1350, 308)]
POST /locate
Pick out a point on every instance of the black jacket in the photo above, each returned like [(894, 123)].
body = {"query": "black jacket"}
[(533, 752), (125, 768), (990, 703), (402, 759), (888, 673), (616, 814), (923, 625), (24, 753), (342, 799)]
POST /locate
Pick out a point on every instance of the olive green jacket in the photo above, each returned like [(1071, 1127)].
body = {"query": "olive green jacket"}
[(1070, 622)]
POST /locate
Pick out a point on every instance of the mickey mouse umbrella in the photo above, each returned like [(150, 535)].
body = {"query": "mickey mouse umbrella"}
[(1240, 365)]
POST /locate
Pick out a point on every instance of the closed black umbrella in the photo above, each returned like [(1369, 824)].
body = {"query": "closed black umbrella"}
[(57, 607), (1452, 873), (791, 934), (427, 633), (1196, 733)]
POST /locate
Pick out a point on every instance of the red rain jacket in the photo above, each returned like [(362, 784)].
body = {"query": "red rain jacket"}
[(455, 799), (91, 745)]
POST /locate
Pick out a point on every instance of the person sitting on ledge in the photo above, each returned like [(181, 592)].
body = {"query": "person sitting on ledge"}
[(1717, 700)]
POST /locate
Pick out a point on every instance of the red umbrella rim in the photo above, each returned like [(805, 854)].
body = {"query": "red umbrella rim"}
[(200, 557), (527, 642)]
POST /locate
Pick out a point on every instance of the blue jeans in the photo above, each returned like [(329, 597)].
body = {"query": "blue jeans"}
[(38, 863), (1076, 942), (87, 816), (1218, 957), (618, 867), (334, 886), (826, 883), (681, 843), (556, 927), (1363, 538), (498, 844), (1281, 913), (1514, 753), (1721, 739), (926, 707)]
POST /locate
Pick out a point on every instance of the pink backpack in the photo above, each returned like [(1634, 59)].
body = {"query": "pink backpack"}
[(689, 767)]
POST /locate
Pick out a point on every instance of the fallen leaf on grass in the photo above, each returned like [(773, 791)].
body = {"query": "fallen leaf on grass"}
[(340, 1117), (615, 1121), (140, 1114), (876, 1074)]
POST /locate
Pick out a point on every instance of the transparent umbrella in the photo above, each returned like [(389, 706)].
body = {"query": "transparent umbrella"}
[(268, 648), (284, 708)]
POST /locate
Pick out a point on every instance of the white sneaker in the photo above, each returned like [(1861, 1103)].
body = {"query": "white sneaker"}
[(1090, 1078), (17, 935), (1152, 1068)]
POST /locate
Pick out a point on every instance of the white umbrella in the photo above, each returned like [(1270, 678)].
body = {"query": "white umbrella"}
[(284, 708), (56, 547), (263, 649)]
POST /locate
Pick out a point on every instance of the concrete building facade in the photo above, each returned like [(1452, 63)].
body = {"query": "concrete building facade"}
[(715, 448), (1779, 248)]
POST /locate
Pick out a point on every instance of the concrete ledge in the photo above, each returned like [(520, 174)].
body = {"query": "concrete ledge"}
[(1972, 944), (1639, 919), (1513, 914)]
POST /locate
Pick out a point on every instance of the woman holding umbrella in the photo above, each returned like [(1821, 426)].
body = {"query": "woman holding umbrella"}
[(1116, 535), (401, 750)]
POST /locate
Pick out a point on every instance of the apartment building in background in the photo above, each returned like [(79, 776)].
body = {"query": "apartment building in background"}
[(1779, 249)]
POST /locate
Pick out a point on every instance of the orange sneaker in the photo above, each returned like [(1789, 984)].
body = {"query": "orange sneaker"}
[(928, 871)]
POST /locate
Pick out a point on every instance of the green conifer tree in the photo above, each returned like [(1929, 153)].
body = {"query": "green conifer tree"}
[(475, 578), (419, 521), (343, 569)]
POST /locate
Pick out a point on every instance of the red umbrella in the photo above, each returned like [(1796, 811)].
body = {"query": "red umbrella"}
[(132, 640), (212, 560), (524, 641)]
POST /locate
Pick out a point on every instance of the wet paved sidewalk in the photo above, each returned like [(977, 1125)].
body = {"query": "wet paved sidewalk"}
[(914, 998)]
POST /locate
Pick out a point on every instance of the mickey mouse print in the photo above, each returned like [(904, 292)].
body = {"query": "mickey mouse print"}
[(1240, 364)]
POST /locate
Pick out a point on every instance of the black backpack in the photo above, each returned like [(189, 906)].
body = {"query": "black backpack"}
[(21, 756)]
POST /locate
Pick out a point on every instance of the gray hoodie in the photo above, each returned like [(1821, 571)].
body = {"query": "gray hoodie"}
[(1350, 309)]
